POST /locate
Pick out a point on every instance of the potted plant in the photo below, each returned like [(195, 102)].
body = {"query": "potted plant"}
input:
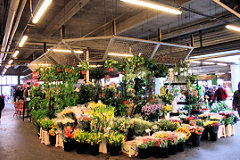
[(67, 70), (181, 138), (84, 66), (152, 112), (52, 135), (164, 149), (161, 71), (143, 151), (114, 140), (46, 126), (80, 136), (110, 64), (93, 140)]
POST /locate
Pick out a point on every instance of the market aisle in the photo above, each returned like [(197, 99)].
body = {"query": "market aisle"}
[(18, 141)]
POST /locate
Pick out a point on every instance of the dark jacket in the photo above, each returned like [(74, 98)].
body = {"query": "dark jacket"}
[(236, 99), (2, 103), (210, 95)]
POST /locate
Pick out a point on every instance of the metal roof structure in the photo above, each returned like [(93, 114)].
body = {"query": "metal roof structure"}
[(72, 51)]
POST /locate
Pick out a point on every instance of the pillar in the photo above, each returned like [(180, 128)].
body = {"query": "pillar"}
[(235, 76), (87, 72)]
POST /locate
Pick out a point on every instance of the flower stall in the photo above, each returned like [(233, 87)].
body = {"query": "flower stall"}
[(125, 118)]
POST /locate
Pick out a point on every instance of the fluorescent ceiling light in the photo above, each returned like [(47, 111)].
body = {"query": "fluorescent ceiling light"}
[(41, 10), (23, 40), (10, 62), (7, 66), (222, 64), (195, 62), (208, 63), (66, 51), (120, 54), (232, 27), (15, 54), (160, 7), (216, 54), (220, 73)]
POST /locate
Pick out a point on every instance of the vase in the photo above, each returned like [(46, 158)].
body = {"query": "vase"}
[(172, 149), (181, 146), (81, 148), (162, 152), (94, 149), (68, 146), (205, 134), (114, 150), (196, 140), (143, 153), (213, 136), (52, 140)]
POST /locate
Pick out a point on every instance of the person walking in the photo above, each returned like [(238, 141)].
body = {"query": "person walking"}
[(220, 94), (236, 99), (2, 104)]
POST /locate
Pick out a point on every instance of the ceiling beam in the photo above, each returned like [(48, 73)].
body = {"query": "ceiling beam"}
[(71, 8)]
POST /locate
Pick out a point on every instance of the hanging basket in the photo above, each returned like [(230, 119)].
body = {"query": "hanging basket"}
[(59, 69), (110, 69), (83, 72), (67, 70)]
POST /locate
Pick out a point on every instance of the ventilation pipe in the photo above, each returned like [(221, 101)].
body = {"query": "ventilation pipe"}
[(16, 25), (11, 14)]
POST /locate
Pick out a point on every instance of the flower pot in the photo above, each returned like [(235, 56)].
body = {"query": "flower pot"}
[(59, 69), (213, 136), (94, 149), (205, 134), (172, 149), (68, 146), (143, 153), (67, 70), (110, 69), (81, 148), (162, 152), (83, 72), (181, 146), (196, 140), (114, 150), (52, 140)]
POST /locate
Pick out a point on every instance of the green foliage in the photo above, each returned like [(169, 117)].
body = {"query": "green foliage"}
[(97, 74), (160, 71), (139, 126), (47, 124), (165, 125), (218, 107), (87, 93), (40, 114), (84, 66), (111, 63)]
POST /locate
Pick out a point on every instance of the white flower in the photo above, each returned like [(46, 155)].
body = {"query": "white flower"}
[(148, 130)]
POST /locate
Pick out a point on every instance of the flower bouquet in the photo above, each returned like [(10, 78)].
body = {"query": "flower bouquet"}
[(196, 133), (68, 139), (114, 140), (52, 135), (121, 124), (152, 112)]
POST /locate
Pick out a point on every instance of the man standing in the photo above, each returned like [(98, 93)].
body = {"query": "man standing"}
[(236, 99)]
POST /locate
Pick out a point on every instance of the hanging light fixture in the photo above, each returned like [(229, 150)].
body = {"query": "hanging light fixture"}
[(15, 54), (41, 10), (10, 62), (66, 51), (232, 27), (156, 6), (23, 40), (119, 54)]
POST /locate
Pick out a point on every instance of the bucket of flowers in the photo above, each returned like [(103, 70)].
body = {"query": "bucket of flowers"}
[(142, 146), (172, 143), (68, 139), (94, 139), (181, 139), (52, 135), (196, 133), (81, 136), (114, 141), (152, 111), (212, 127)]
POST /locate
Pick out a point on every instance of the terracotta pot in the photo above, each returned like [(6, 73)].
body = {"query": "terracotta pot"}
[(59, 69), (83, 72), (67, 70), (110, 69)]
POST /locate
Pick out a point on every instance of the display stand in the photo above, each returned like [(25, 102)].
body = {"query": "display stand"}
[(45, 138), (59, 141)]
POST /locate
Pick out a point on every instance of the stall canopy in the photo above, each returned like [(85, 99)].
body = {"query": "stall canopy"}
[(73, 51)]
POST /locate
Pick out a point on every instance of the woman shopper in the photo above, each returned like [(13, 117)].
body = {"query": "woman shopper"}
[(220, 94), (236, 99)]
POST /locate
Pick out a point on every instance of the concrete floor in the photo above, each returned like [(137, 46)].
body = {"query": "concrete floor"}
[(18, 141)]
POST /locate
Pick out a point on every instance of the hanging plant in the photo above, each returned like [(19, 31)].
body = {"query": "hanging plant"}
[(161, 71), (59, 69), (67, 70), (84, 66), (110, 64)]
